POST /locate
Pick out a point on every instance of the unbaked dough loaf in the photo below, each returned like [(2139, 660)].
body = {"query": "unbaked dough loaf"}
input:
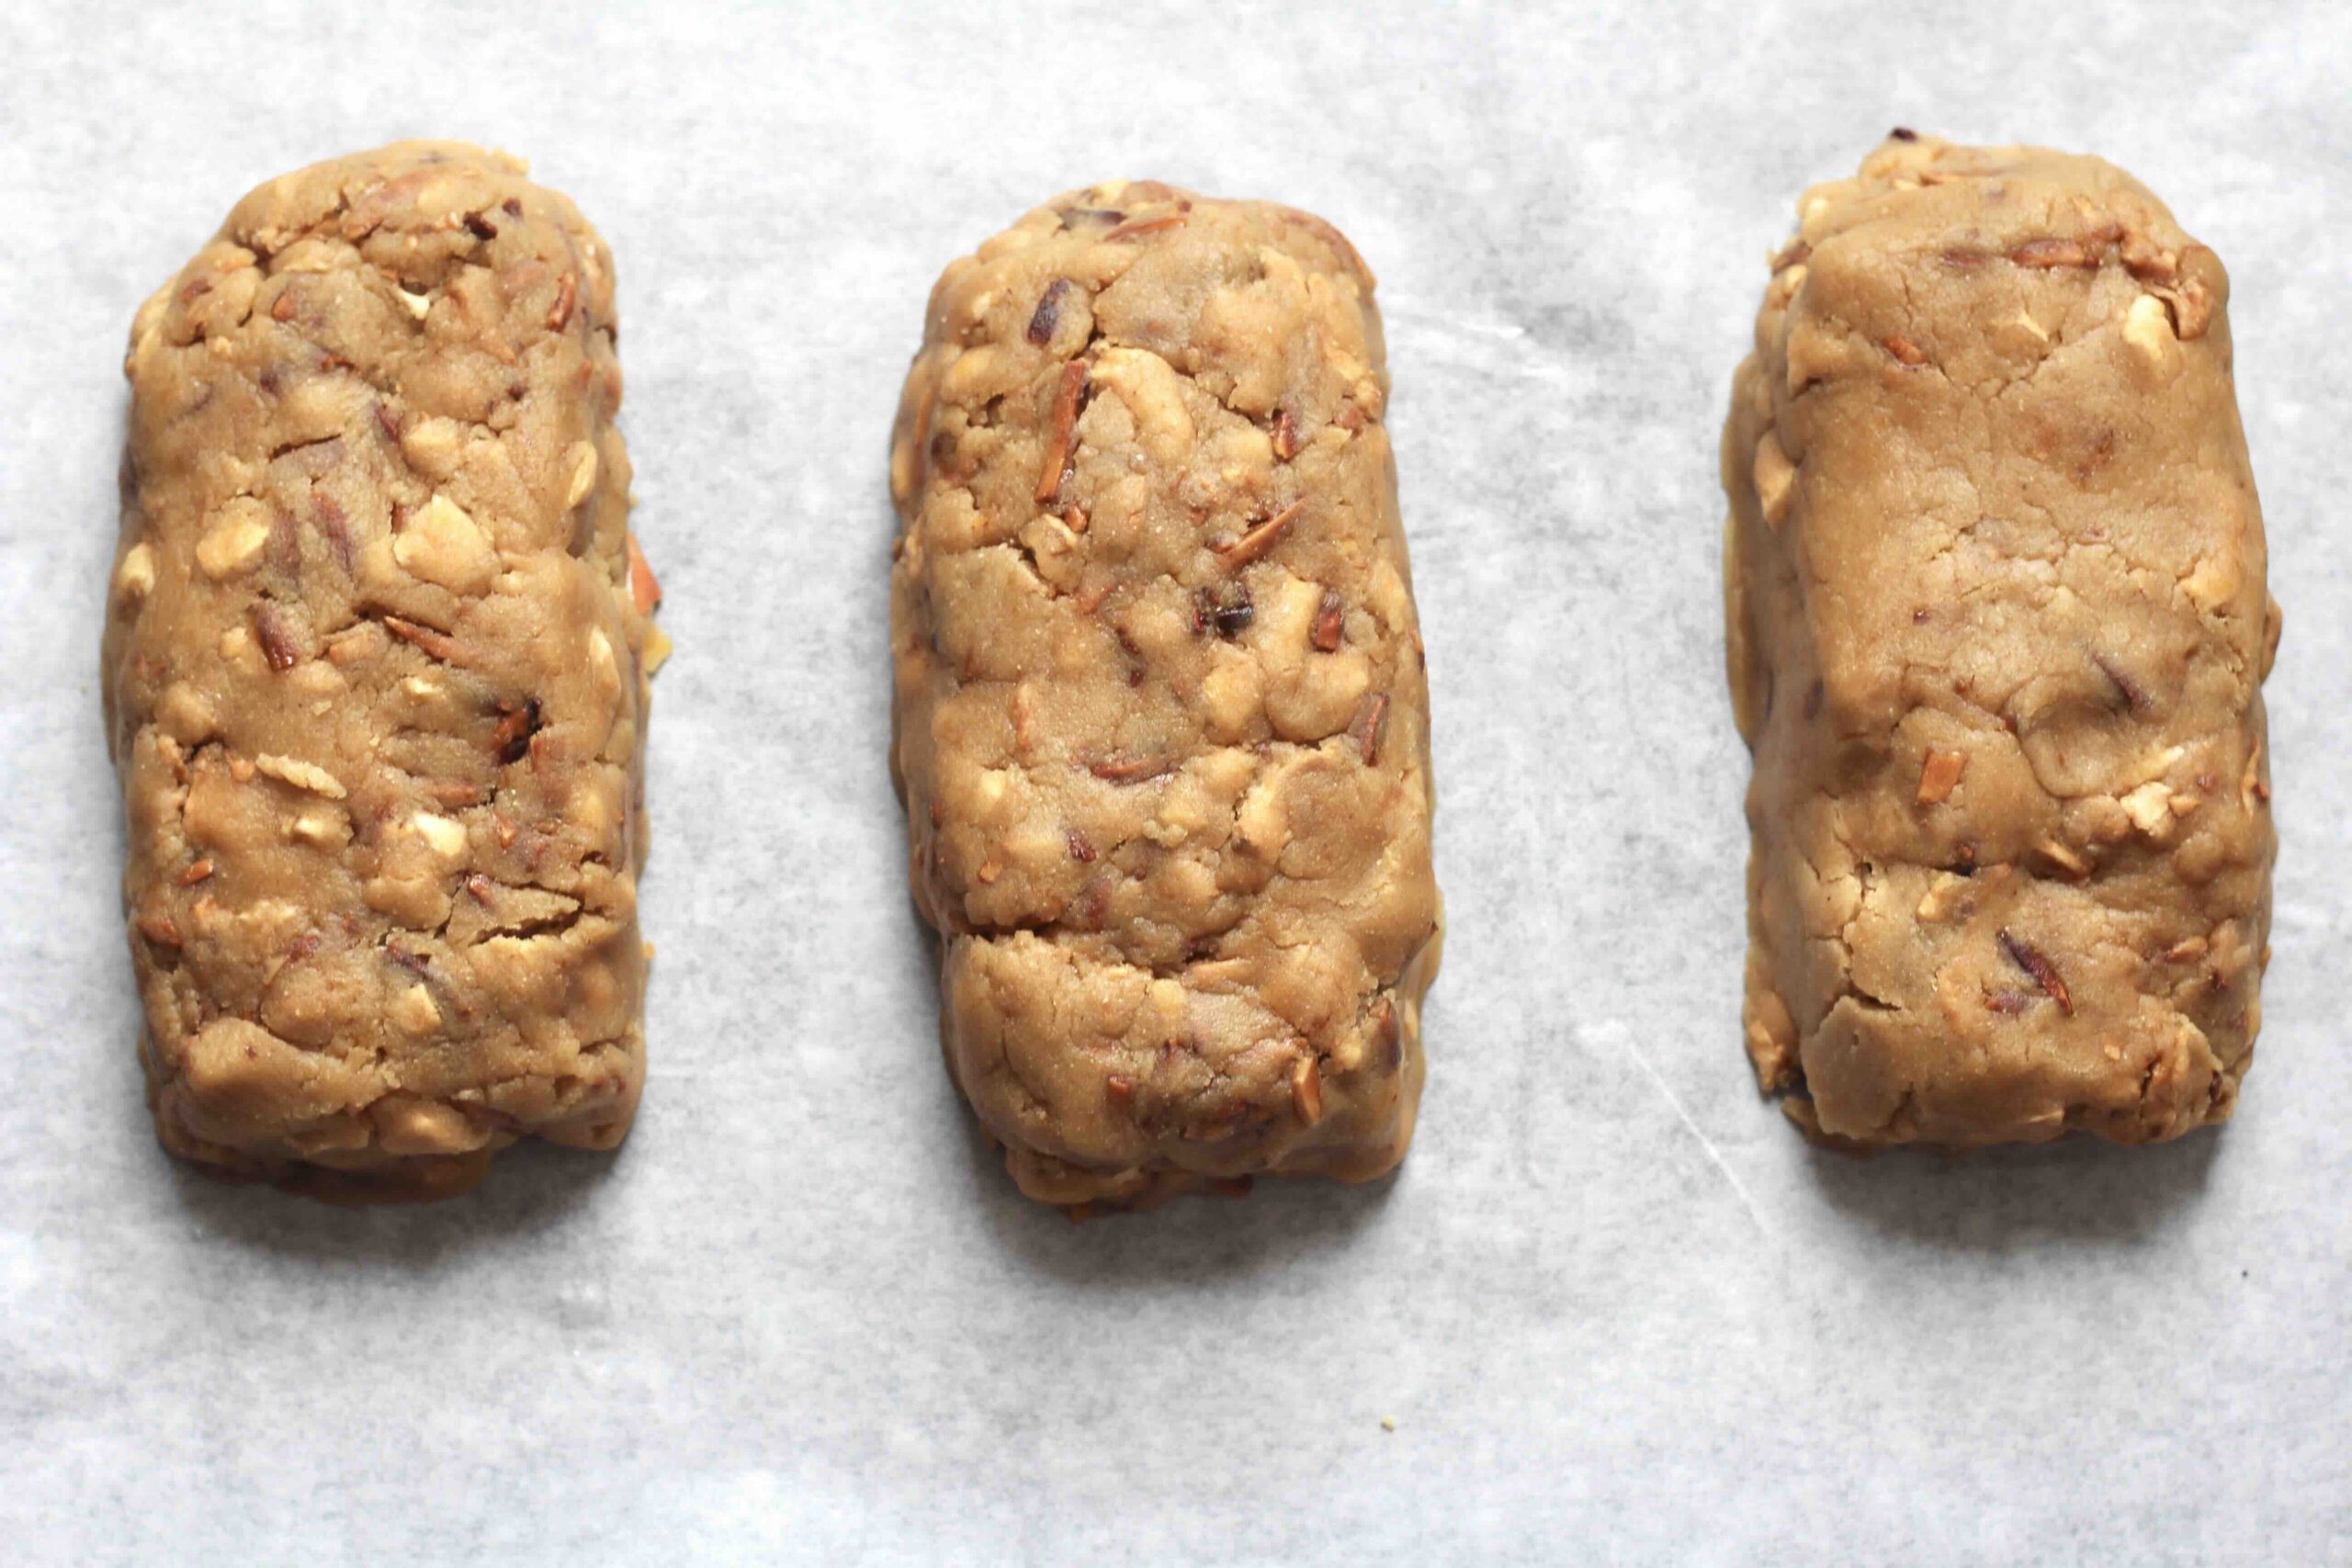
[(1161, 719), (1998, 633), (375, 679)]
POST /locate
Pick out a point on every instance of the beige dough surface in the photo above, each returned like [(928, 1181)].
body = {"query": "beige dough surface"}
[(374, 682), (1999, 627), (1161, 719)]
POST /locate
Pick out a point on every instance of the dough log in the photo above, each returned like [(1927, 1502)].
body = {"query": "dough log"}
[(375, 681), (1161, 720), (1998, 628)]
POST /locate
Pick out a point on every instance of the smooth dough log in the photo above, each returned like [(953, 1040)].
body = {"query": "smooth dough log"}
[(1161, 718), (375, 681), (1998, 627)]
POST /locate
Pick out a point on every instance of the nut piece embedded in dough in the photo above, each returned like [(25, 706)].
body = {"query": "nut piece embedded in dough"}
[(1940, 775), (601, 660), (442, 544), (415, 1012), (1774, 476), (2150, 808), (1944, 895), (300, 775), (2062, 858), (2034, 962), (235, 540), (644, 590), (135, 578), (445, 836), (1307, 1090), (322, 827), (432, 445), (583, 474), (2147, 327)]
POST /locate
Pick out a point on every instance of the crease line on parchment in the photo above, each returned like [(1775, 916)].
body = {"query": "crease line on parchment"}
[(1707, 1145)]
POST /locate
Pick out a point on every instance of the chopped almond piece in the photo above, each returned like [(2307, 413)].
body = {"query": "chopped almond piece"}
[(1370, 724), (2048, 253), (1307, 1090), (1940, 775), (1136, 228), (567, 294), (644, 590), (1285, 437), (1048, 313), (1328, 623), (431, 643), (1260, 539), (1067, 393), (1129, 770), (2045, 974), (2066, 860)]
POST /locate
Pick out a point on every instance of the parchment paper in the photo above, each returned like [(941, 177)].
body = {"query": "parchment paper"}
[(1615, 1309)]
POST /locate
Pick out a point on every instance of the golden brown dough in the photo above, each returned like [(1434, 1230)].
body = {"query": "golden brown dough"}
[(1998, 633), (375, 680), (1161, 720)]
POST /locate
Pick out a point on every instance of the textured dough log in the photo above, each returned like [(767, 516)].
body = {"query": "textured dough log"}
[(373, 677), (1160, 710), (1997, 634)]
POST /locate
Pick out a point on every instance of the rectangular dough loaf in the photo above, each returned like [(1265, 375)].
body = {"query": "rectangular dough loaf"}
[(375, 680), (1160, 709), (1997, 626)]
